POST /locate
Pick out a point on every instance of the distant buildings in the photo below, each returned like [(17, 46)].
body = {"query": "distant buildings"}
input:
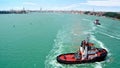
[(94, 13), (23, 11)]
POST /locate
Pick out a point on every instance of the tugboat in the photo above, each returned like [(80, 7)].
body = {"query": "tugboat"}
[(87, 53), (96, 22)]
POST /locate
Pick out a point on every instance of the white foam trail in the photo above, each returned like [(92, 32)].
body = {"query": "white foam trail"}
[(57, 49), (98, 65), (99, 42), (110, 35), (86, 20)]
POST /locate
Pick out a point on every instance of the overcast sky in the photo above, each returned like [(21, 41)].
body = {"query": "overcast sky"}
[(97, 5)]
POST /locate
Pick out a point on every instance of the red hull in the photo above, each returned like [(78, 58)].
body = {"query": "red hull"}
[(69, 58)]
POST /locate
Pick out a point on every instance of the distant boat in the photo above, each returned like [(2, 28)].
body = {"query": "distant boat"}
[(96, 22)]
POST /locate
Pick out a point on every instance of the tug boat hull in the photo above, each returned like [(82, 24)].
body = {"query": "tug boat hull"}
[(98, 24), (69, 58)]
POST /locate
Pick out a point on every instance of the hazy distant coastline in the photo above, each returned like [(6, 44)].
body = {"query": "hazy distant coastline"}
[(23, 11), (115, 15)]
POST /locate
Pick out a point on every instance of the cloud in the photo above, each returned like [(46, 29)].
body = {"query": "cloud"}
[(84, 5), (71, 6), (30, 4), (17, 8), (101, 3), (106, 3)]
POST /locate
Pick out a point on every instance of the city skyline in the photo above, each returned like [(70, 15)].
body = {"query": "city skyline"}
[(85, 5)]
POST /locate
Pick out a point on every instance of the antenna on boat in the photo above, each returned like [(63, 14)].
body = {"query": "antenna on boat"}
[(88, 38)]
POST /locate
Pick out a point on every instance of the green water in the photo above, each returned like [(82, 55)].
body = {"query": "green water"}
[(27, 44), (34, 40)]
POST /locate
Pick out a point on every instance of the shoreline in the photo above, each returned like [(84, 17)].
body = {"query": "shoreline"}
[(113, 15)]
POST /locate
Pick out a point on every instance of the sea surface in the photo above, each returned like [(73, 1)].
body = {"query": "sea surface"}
[(34, 40)]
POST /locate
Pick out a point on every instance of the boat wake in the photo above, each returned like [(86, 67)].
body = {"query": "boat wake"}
[(110, 32), (59, 48), (98, 65), (63, 43), (87, 20), (112, 36)]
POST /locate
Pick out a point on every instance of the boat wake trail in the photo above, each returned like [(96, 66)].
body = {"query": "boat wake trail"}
[(66, 41), (101, 45), (110, 32), (98, 42), (98, 65), (57, 49)]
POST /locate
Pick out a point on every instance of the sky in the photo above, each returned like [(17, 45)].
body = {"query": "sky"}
[(85, 5)]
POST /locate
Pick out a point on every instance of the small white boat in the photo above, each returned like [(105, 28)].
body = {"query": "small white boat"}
[(96, 22)]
